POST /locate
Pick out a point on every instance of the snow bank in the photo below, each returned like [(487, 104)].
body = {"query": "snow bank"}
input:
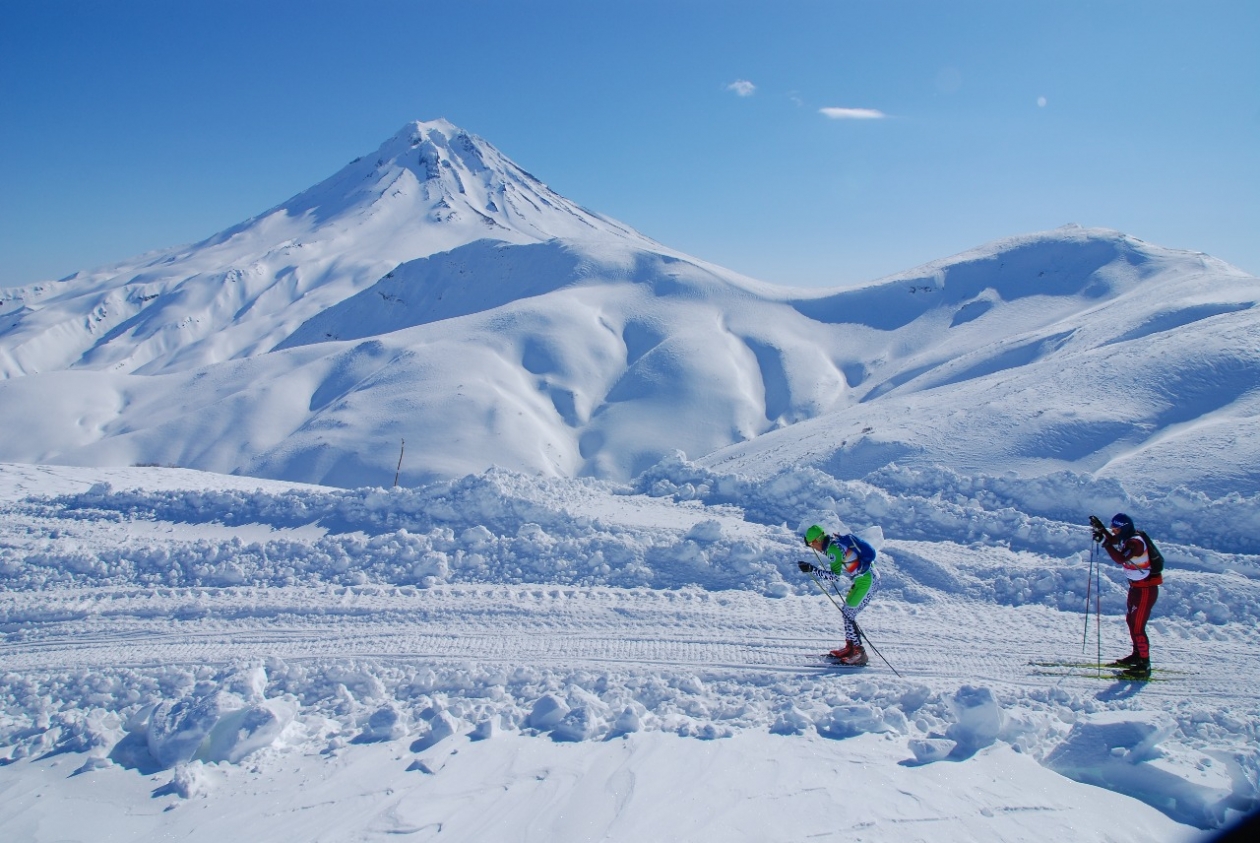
[(942, 506), (1048, 513), (486, 528), (1121, 750), (507, 528), (329, 705)]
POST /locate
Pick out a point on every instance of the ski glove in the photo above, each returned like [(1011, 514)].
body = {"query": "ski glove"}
[(1100, 532), (805, 567)]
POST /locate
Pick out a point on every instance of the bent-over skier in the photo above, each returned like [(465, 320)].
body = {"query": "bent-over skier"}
[(1129, 548), (853, 559)]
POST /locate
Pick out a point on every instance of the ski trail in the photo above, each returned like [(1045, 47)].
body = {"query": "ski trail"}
[(600, 627)]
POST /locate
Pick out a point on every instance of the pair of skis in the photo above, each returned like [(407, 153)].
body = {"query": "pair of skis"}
[(1109, 672)]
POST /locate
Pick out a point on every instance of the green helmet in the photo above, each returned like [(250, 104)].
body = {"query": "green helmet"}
[(814, 533)]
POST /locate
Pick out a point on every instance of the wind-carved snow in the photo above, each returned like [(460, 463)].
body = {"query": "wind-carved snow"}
[(472, 279), (636, 341)]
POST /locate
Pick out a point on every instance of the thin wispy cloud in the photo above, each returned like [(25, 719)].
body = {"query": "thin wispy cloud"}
[(852, 113), (742, 87)]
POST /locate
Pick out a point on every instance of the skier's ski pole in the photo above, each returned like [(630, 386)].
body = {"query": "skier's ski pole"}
[(1089, 587), (1098, 612), (862, 635), (826, 593), (836, 591), (867, 639)]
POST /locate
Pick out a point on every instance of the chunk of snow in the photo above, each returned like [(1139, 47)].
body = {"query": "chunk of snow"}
[(978, 719), (547, 712), (927, 750), (441, 727), (386, 723)]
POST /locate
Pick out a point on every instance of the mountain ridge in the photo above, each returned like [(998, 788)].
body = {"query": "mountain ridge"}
[(587, 349)]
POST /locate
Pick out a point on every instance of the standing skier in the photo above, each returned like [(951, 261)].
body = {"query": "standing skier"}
[(1143, 565), (851, 558)]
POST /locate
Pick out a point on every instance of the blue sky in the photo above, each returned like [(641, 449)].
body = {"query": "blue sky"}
[(128, 126)]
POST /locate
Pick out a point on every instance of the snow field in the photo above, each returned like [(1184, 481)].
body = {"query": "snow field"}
[(144, 635), (514, 787), (498, 655), (679, 526)]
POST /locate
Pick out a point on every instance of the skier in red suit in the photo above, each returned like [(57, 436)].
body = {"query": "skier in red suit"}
[(1130, 549)]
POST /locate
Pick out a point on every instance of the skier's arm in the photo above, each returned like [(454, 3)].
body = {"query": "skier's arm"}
[(1114, 549), (821, 573), (1125, 553)]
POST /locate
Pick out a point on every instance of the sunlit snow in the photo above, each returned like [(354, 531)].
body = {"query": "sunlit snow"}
[(578, 615)]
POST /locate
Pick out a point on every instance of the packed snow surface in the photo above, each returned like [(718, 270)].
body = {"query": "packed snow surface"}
[(522, 658)]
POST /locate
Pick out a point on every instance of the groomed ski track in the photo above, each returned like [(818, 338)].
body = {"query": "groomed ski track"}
[(600, 628)]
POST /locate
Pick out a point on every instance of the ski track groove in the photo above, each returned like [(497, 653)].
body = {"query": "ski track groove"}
[(564, 628)]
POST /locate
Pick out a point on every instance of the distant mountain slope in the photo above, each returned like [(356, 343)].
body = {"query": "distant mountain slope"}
[(430, 188), (437, 294), (1073, 349), (616, 357)]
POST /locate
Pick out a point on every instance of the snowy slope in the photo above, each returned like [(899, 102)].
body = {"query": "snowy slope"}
[(599, 357), (430, 188), (520, 658), (1075, 349), (436, 294)]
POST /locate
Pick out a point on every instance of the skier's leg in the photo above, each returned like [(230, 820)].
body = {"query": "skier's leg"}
[(1130, 615), (850, 628), (855, 601), (1139, 604)]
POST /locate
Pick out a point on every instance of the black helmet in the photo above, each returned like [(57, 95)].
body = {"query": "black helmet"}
[(1124, 524)]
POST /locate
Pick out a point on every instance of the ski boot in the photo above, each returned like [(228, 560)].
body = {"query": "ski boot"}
[(842, 653), (856, 658), (1126, 662), (1140, 669)]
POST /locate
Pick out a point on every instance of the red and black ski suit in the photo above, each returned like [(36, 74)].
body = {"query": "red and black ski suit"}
[(1132, 555)]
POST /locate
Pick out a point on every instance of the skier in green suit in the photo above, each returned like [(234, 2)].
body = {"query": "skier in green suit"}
[(851, 558)]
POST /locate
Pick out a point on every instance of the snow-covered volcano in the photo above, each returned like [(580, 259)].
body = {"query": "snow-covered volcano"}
[(435, 293), (429, 188)]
